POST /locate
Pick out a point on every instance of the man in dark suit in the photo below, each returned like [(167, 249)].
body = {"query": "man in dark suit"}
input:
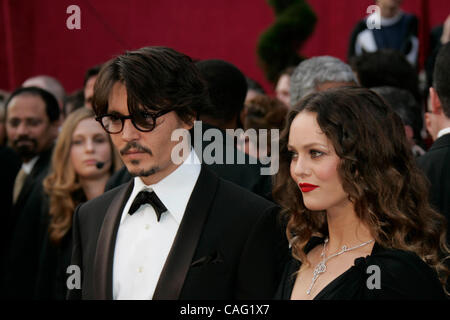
[(436, 162), (176, 230), (31, 125)]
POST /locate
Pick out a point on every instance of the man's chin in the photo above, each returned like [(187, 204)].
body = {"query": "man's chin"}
[(142, 172), (26, 153)]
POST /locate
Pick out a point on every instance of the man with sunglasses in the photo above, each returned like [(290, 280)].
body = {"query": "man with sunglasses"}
[(176, 230)]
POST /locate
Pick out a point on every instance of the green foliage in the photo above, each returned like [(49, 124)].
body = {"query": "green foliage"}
[(279, 44)]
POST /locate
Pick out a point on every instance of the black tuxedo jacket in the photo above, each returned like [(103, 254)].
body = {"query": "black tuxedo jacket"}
[(9, 167), (436, 165), (230, 244), (23, 238)]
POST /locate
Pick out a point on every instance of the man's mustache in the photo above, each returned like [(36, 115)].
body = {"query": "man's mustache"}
[(135, 145), (24, 139)]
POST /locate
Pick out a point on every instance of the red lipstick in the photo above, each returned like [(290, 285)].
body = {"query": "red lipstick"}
[(306, 187)]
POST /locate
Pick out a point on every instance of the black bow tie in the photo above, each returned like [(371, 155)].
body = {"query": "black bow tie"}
[(151, 198)]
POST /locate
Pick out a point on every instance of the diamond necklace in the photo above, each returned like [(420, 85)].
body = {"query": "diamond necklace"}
[(322, 267)]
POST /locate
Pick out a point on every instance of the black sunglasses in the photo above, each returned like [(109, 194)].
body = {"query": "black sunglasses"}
[(142, 121)]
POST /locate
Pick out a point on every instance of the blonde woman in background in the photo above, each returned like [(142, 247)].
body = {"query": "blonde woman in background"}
[(82, 162)]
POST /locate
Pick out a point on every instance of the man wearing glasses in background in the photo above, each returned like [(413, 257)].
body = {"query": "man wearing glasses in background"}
[(175, 231)]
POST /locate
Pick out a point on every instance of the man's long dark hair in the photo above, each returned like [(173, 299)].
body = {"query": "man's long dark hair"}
[(156, 78)]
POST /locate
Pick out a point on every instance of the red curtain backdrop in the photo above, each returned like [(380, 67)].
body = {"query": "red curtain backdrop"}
[(34, 38)]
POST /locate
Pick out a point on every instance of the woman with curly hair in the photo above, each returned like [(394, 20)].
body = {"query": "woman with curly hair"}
[(82, 162), (358, 219)]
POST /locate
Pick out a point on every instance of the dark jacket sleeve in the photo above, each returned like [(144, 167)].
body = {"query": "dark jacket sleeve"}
[(263, 258), (402, 275)]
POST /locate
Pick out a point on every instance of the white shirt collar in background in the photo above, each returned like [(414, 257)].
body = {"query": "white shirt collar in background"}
[(442, 132), (28, 167)]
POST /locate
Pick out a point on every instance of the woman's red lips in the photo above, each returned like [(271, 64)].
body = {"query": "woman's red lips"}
[(306, 187)]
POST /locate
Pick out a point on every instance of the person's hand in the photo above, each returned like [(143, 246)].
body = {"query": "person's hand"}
[(446, 31)]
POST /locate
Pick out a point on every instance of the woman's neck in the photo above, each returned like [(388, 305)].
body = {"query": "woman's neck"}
[(345, 228), (94, 187)]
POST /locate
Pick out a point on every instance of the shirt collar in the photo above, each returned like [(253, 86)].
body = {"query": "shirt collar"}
[(28, 167), (174, 190), (442, 132)]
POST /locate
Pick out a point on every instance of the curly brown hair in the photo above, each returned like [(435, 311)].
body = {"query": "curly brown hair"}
[(378, 172), (264, 112)]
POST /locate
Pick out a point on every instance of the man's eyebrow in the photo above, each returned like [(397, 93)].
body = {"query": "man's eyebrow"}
[(25, 119), (114, 112)]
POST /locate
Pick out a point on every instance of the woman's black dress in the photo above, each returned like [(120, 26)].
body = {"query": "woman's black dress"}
[(403, 275)]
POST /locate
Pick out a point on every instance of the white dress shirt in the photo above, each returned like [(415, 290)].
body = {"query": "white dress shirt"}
[(28, 167), (143, 243)]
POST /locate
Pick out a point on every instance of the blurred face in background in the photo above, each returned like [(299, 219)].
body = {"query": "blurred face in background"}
[(89, 92), (282, 89), (389, 8), (430, 118), (250, 95), (28, 127), (90, 145)]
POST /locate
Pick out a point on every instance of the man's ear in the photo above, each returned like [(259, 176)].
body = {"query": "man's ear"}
[(436, 106)]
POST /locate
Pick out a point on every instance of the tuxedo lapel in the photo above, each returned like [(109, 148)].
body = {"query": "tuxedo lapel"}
[(183, 248), (104, 254)]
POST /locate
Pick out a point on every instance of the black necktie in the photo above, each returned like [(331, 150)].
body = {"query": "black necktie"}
[(151, 198)]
